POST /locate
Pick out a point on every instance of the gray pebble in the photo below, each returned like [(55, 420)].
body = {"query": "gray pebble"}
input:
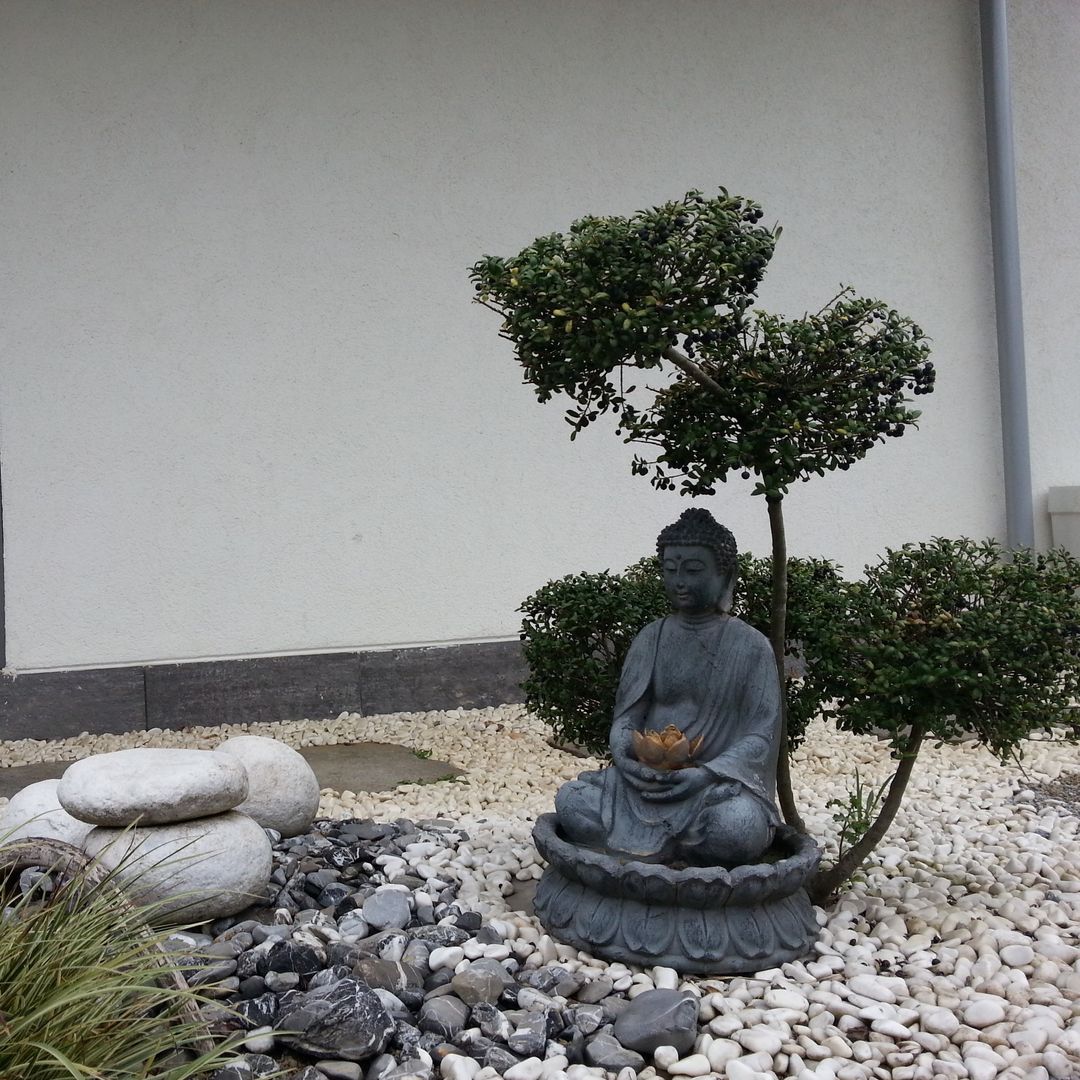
[(387, 909), (340, 1070), (607, 1053), (445, 1016)]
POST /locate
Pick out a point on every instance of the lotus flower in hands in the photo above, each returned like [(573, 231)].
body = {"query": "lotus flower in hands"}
[(667, 750)]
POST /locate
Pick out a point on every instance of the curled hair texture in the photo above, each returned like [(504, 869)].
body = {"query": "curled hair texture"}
[(697, 527)]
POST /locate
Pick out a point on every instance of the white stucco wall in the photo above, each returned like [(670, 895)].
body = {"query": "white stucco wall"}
[(1044, 40), (247, 406)]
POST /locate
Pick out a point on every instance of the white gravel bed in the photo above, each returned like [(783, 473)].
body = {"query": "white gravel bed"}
[(955, 953)]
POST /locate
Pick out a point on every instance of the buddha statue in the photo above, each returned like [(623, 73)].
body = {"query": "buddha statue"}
[(705, 675), (675, 853)]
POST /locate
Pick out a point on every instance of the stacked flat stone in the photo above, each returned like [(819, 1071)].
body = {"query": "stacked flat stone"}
[(167, 820), (283, 792), (36, 811), (185, 827)]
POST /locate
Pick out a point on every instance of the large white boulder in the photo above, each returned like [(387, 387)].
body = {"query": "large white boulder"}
[(283, 791), (153, 787), (198, 870), (36, 811)]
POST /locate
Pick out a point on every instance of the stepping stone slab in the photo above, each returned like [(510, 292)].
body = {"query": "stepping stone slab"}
[(283, 792), (195, 870), (36, 811), (152, 787)]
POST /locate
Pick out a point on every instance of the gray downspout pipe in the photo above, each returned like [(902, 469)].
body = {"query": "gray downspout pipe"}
[(1012, 377)]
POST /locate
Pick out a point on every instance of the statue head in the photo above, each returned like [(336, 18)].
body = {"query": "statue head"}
[(698, 561)]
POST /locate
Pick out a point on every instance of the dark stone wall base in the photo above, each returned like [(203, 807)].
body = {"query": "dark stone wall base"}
[(59, 704)]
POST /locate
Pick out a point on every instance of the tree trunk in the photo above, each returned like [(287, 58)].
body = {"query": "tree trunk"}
[(827, 881), (778, 638)]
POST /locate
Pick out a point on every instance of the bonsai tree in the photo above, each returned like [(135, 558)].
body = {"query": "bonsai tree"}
[(947, 638), (672, 288)]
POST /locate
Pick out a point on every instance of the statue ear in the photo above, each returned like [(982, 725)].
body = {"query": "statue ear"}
[(727, 594)]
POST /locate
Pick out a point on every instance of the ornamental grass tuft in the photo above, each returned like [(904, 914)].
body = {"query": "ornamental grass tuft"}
[(86, 990)]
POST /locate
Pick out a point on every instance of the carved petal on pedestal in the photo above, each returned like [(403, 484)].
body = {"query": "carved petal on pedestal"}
[(558, 900), (694, 934), (629, 883), (656, 887), (717, 941), (791, 917), (701, 892), (543, 888), (544, 835), (755, 883), (741, 928), (593, 876), (745, 938), (769, 940), (661, 924), (597, 922), (555, 858), (635, 927), (762, 943), (786, 877)]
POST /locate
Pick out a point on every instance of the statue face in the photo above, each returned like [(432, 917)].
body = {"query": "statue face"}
[(691, 579)]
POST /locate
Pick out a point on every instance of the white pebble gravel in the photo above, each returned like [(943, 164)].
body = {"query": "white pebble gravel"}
[(955, 952)]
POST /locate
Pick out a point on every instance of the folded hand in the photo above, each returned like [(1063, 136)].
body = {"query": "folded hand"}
[(639, 775), (678, 785)]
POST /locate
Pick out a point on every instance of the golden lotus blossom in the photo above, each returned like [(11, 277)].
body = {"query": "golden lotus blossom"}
[(668, 749)]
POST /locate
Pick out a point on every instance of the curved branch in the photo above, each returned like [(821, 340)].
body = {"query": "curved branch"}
[(827, 881), (685, 364), (847, 289)]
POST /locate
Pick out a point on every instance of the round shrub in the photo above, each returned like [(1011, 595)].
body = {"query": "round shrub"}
[(960, 637), (575, 633)]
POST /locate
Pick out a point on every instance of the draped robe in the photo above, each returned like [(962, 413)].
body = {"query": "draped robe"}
[(738, 720)]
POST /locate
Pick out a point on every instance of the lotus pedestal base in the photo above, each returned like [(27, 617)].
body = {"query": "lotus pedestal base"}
[(708, 920)]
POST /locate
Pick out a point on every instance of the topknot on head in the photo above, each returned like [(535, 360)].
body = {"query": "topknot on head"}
[(697, 527)]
